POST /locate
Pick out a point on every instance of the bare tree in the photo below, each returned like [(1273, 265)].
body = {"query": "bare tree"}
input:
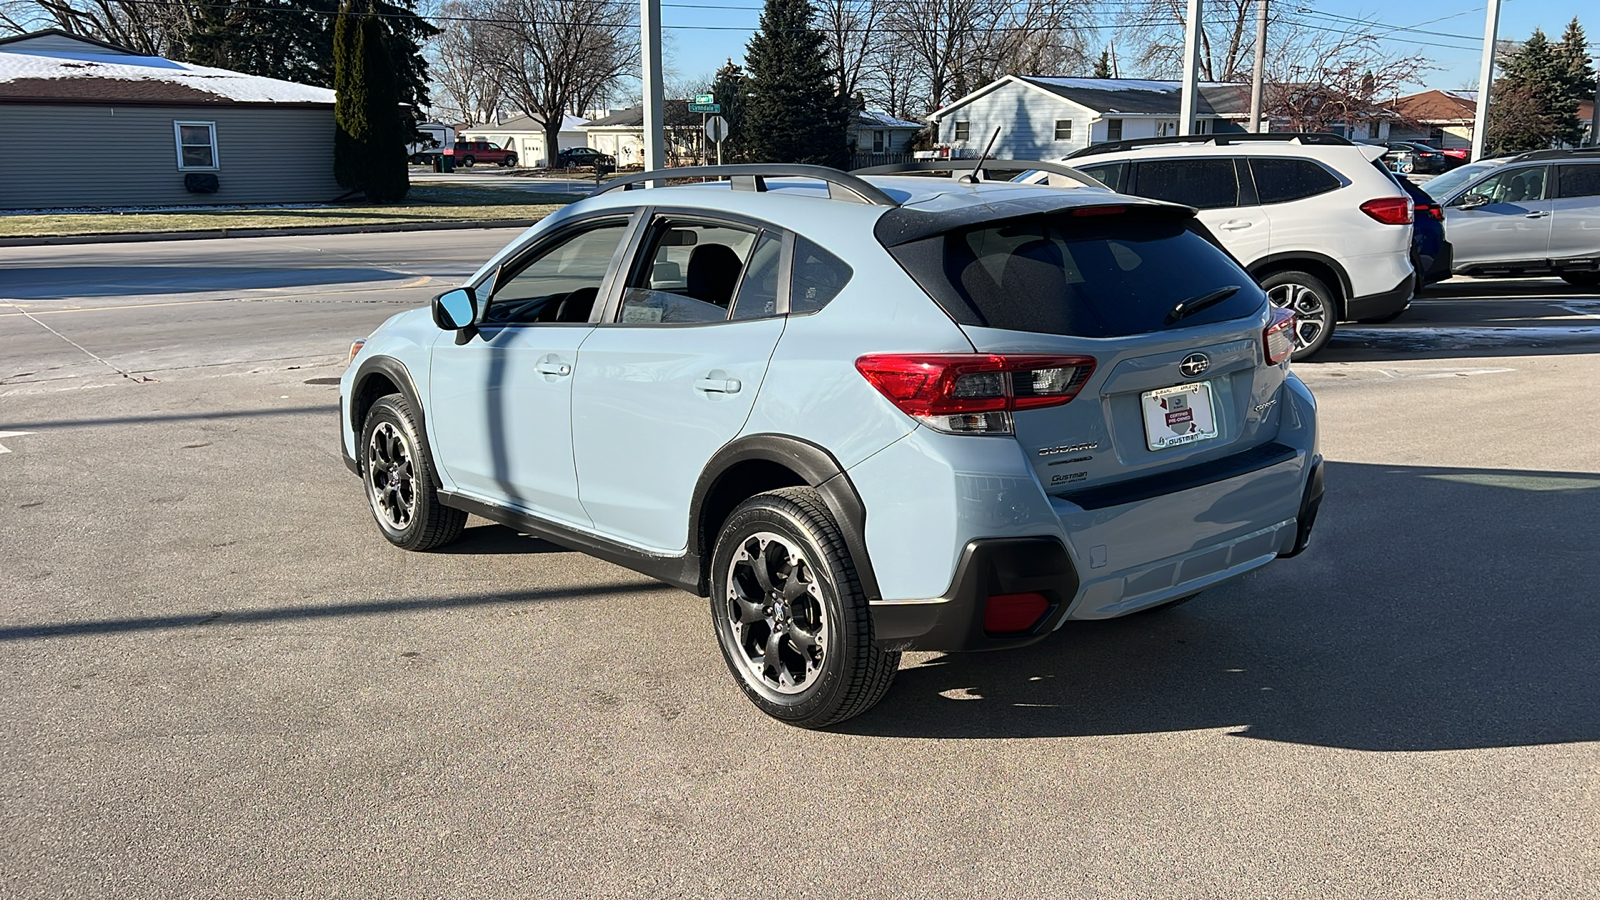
[(153, 29), (1227, 39), (562, 56), (852, 36), (1320, 79), (466, 63)]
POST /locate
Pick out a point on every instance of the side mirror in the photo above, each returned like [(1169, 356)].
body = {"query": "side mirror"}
[(1472, 201), (455, 310)]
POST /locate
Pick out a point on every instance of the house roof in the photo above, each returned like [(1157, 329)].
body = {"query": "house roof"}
[(1439, 106), (529, 123), (100, 77), (17, 39), (869, 119), (676, 112)]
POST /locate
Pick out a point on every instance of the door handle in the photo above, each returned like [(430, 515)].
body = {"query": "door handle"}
[(1236, 225), (718, 385), (1537, 215), (554, 368)]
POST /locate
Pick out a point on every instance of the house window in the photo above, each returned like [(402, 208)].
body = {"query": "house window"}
[(963, 129), (877, 142), (1374, 129), (197, 145), (1063, 129), (1436, 136), (1113, 129), (1166, 129), (1202, 126)]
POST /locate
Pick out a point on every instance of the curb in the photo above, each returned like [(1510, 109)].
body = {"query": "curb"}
[(376, 228)]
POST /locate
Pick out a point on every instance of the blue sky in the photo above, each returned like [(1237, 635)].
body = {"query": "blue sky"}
[(705, 38)]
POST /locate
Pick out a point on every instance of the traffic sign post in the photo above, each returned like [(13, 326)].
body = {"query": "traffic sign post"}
[(717, 130)]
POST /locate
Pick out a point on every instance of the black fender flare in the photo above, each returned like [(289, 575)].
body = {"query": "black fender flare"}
[(397, 374), (813, 464), (1289, 256)]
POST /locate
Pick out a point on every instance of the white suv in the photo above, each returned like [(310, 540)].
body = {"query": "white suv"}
[(1310, 216)]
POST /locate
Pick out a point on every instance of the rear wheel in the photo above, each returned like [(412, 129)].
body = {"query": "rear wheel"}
[(1581, 279), (789, 613), (468, 161), (1312, 303), (399, 480)]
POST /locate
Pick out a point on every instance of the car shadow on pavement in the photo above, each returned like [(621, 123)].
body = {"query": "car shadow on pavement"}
[(494, 539), (1437, 609)]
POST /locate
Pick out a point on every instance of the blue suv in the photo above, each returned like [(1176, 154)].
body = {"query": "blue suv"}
[(860, 414)]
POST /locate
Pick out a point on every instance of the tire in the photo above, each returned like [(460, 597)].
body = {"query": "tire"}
[(1581, 279), (781, 578), (1314, 306), (467, 161), (398, 477), (511, 161)]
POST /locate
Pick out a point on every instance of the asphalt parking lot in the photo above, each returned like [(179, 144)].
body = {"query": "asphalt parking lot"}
[(220, 681)]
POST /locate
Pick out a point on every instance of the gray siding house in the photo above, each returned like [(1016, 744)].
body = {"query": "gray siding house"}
[(146, 131), (1047, 118)]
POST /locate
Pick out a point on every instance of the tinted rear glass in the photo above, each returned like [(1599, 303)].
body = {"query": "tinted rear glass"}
[(1282, 180), (1580, 181), (1201, 183), (1087, 277)]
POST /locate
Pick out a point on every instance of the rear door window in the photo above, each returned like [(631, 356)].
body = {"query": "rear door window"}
[(1210, 183), (1109, 174), (1283, 180), (1579, 180), (1056, 274)]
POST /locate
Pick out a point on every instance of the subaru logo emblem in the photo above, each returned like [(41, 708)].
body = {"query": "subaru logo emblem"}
[(1194, 365)]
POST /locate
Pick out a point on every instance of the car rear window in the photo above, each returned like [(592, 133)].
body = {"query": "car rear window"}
[(1099, 276)]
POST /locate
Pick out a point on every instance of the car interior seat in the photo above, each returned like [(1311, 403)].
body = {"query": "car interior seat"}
[(576, 306), (1517, 189), (713, 272)]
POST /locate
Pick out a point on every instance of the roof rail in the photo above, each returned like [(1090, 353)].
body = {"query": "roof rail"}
[(1220, 140), (753, 177), (1553, 153), (966, 168)]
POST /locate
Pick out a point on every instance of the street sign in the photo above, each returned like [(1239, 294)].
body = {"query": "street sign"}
[(704, 107), (703, 99), (717, 129)]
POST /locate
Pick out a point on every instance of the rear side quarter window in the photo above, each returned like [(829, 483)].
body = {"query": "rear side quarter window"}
[(818, 276), (1579, 180), (1283, 180)]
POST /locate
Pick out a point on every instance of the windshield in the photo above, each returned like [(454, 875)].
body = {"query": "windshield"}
[(1442, 187)]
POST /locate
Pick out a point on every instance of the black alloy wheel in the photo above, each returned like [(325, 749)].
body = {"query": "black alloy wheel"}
[(399, 480), (789, 613)]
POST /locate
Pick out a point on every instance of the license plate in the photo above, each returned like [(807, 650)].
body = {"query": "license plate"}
[(1179, 415)]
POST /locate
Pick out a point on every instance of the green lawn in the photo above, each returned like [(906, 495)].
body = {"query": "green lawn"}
[(425, 203)]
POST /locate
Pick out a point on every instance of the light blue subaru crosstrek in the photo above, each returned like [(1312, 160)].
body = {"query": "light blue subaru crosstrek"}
[(861, 414)]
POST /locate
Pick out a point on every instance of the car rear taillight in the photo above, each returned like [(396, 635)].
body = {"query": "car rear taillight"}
[(1389, 210), (973, 393), (1431, 210), (1278, 338)]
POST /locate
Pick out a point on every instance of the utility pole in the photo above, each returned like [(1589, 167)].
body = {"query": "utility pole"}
[(1191, 69), (1257, 76), (650, 37), (1480, 122)]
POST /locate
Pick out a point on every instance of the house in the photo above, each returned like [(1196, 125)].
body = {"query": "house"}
[(621, 134), (1048, 118), (150, 131), (524, 135), (879, 138), (1443, 119)]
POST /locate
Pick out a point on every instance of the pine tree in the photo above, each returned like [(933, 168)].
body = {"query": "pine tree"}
[(794, 112), (1102, 69), (732, 92), (351, 129), (1576, 78), (1527, 109), (386, 179)]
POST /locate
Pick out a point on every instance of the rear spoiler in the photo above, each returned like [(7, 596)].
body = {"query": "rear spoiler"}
[(906, 224)]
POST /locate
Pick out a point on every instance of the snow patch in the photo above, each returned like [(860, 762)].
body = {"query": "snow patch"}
[(21, 64)]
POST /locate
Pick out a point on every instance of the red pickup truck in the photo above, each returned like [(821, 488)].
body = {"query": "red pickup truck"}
[(468, 153)]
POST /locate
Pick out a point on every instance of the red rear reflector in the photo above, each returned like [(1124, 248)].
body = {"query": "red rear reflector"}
[(1013, 613), (1099, 210), (974, 393), (1389, 210), (1278, 338)]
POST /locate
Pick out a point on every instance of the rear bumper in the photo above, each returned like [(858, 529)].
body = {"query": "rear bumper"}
[(1439, 269), (1373, 306)]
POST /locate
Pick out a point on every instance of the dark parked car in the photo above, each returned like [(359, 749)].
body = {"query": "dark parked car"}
[(585, 157), (1410, 158)]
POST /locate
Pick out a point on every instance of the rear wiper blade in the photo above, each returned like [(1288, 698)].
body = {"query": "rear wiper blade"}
[(1195, 304)]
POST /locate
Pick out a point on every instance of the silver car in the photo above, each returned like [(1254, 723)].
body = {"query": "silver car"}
[(1533, 214)]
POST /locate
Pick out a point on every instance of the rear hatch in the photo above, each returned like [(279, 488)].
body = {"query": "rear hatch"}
[(1168, 330)]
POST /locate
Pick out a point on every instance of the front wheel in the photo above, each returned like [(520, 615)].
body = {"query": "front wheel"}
[(509, 162), (790, 615), (399, 480), (1581, 279), (468, 161), (1312, 303)]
